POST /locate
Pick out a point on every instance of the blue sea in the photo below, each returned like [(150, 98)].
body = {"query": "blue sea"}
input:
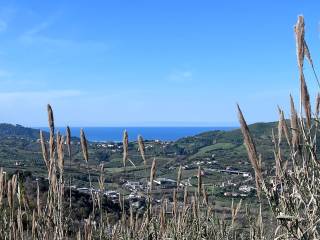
[(104, 134)]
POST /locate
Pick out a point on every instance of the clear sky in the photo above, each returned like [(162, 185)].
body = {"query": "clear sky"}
[(151, 62)]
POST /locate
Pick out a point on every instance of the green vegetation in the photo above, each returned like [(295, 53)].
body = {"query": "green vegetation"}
[(20, 146), (225, 148)]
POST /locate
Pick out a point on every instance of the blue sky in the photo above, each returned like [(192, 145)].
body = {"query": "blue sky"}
[(150, 63)]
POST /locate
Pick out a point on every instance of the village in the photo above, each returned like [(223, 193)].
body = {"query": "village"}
[(136, 193), (232, 183)]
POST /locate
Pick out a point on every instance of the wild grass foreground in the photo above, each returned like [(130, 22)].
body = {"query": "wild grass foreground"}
[(291, 191)]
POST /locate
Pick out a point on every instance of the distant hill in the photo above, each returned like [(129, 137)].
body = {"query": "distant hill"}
[(226, 147), (203, 139), (19, 149), (11, 130), (18, 143)]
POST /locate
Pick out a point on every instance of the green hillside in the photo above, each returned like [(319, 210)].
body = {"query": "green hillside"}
[(225, 147), (217, 149), (18, 131)]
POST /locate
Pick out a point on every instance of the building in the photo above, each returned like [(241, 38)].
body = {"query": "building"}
[(245, 188), (165, 183), (230, 194), (112, 195), (132, 186)]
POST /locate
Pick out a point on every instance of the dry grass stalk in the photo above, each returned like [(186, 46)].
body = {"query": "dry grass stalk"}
[(162, 216), (120, 202), (38, 199), (277, 151), (101, 178), (300, 43), (84, 145), (302, 51), (179, 176), (205, 196), (131, 223), (33, 228), (50, 119), (10, 194), (44, 149), (294, 126), (152, 173), (51, 126), (185, 197), (60, 153), (125, 147), (260, 232), (175, 203), (257, 180), (68, 142), (308, 56), (305, 99), (235, 211), (251, 149), (20, 225), (142, 150), (194, 207), (279, 133), (199, 181), (14, 181), (2, 186), (283, 128)]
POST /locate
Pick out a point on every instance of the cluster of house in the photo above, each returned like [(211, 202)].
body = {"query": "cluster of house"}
[(234, 194), (114, 147), (158, 183), (117, 146), (241, 191), (18, 164), (138, 190), (207, 162), (112, 195), (134, 186)]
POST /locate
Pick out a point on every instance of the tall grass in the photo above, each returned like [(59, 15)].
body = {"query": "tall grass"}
[(51, 219), (292, 190)]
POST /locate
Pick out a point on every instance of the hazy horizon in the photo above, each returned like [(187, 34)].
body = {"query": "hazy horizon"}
[(153, 124), (105, 134)]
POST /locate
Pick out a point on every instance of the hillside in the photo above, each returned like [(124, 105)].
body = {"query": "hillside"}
[(18, 143), (226, 147), (215, 151), (18, 131)]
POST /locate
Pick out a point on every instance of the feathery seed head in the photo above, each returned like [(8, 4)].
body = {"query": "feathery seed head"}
[(142, 149), (84, 145), (125, 147), (152, 173)]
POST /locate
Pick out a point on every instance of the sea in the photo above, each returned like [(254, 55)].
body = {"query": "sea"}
[(115, 134)]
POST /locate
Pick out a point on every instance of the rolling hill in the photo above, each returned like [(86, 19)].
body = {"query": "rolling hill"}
[(18, 143)]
